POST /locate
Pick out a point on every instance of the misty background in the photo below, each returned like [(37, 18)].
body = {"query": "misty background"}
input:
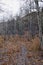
[(11, 8)]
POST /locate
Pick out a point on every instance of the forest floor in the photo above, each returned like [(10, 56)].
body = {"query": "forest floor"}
[(16, 50)]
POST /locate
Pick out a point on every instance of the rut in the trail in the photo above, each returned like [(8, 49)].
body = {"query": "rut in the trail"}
[(22, 56)]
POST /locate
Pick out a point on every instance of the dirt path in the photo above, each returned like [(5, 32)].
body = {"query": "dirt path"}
[(22, 56)]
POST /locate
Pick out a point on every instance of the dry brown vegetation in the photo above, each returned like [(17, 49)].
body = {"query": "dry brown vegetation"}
[(12, 46), (18, 41)]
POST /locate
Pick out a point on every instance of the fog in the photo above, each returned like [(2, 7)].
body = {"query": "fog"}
[(11, 8)]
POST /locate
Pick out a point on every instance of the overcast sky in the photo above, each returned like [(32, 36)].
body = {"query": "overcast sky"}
[(10, 7)]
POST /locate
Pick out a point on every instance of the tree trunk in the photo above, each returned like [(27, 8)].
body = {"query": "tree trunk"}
[(39, 24), (40, 30)]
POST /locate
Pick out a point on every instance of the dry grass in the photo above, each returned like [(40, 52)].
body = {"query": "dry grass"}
[(13, 46), (15, 42)]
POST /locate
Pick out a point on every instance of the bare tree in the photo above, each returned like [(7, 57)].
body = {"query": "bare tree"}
[(39, 23), (20, 25), (30, 20), (11, 27)]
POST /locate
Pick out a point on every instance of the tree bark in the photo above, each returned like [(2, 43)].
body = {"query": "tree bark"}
[(39, 24)]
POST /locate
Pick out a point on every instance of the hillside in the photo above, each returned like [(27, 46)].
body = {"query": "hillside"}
[(17, 45), (19, 26)]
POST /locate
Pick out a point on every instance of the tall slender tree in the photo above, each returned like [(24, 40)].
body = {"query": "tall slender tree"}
[(39, 23), (30, 17)]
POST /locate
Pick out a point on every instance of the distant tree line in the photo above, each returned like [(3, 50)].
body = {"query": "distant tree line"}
[(20, 25)]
